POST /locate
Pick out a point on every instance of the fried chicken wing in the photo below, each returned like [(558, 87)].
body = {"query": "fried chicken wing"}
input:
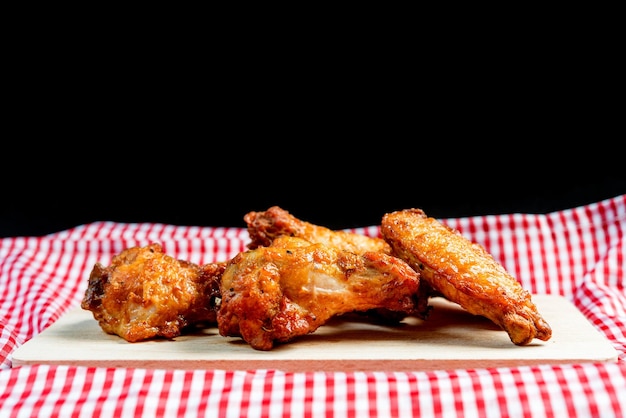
[(145, 293), (264, 227), (465, 273), (292, 287)]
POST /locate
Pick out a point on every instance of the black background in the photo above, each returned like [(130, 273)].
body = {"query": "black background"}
[(337, 141), (339, 183)]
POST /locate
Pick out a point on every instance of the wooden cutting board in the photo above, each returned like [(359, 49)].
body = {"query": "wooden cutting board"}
[(450, 338)]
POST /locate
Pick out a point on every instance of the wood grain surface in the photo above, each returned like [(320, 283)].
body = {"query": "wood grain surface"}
[(450, 338)]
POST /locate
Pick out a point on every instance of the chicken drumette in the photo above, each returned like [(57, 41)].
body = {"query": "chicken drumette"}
[(145, 293), (265, 226), (292, 287)]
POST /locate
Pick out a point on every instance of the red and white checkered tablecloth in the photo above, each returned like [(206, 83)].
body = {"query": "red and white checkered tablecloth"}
[(578, 253)]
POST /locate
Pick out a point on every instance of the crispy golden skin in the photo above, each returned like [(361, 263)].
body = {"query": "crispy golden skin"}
[(145, 293), (465, 273), (264, 227), (292, 287)]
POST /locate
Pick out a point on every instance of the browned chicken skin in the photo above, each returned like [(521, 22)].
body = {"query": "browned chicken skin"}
[(264, 227), (465, 273), (145, 293), (297, 275), (276, 293)]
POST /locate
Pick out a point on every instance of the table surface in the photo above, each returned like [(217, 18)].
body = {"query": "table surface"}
[(577, 254), (450, 338)]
